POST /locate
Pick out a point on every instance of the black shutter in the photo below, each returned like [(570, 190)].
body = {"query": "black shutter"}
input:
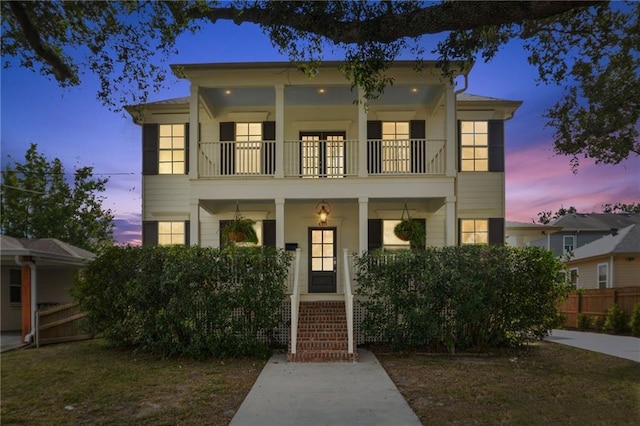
[(223, 223), (227, 150), (269, 152), (417, 130), (150, 149), (496, 145), (374, 233), (149, 233), (424, 226), (269, 233), (374, 148), (187, 233), (496, 231), (186, 148)]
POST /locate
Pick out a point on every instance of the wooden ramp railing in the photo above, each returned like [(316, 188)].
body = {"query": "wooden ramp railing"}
[(61, 323)]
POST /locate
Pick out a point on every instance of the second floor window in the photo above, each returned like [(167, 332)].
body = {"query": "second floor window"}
[(171, 149), (248, 148), (474, 231), (474, 146), (568, 243), (171, 233), (396, 147)]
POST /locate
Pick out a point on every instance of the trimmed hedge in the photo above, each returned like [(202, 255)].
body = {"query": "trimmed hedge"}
[(185, 300), (460, 298)]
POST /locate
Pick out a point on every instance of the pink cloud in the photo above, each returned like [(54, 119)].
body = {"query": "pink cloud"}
[(536, 180)]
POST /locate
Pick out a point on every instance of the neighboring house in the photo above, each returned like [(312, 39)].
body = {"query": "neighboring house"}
[(522, 234), (265, 140), (578, 229), (35, 273), (608, 262)]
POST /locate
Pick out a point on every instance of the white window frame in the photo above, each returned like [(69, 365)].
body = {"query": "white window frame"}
[(606, 275), (474, 146), (396, 147), (564, 244), (574, 277), (248, 147), (171, 233), (477, 235), (171, 149)]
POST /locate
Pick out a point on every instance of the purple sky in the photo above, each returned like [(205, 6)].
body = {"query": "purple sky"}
[(72, 125)]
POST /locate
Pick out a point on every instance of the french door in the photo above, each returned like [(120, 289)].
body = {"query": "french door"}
[(322, 154)]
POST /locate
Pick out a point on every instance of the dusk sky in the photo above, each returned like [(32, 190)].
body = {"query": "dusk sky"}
[(72, 125)]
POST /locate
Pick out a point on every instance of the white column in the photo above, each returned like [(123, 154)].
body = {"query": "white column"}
[(279, 222), (450, 131), (279, 131), (363, 224), (362, 135), (450, 221), (194, 222), (194, 137)]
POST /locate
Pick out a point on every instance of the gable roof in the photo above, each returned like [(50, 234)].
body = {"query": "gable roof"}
[(49, 249), (625, 241), (596, 221)]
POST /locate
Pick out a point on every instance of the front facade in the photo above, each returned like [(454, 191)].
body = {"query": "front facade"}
[(265, 141)]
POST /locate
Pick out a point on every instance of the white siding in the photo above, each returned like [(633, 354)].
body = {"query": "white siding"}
[(480, 194)]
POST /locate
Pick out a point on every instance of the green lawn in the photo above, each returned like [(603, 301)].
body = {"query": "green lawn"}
[(90, 383)]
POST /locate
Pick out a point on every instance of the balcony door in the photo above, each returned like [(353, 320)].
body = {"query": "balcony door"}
[(322, 260), (322, 154)]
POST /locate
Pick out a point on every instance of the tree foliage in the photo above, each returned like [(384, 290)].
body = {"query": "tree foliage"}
[(591, 48), (548, 216), (39, 202)]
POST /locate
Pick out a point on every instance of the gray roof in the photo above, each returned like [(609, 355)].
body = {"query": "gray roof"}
[(625, 241), (596, 221), (46, 248)]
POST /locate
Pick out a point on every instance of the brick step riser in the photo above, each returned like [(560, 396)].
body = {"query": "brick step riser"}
[(323, 357), (323, 336)]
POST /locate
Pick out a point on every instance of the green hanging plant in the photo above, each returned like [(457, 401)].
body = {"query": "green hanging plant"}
[(409, 229), (239, 230)]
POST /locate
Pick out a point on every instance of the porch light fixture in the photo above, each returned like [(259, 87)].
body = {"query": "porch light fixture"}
[(323, 209)]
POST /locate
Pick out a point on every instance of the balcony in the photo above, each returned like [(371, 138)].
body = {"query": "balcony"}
[(336, 158)]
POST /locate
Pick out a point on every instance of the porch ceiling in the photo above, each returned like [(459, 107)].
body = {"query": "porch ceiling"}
[(317, 95)]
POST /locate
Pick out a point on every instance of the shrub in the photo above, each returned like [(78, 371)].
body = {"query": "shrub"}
[(597, 323), (460, 298), (583, 322), (180, 300), (615, 321), (634, 322)]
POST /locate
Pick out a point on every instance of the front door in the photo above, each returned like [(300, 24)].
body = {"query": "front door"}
[(322, 260)]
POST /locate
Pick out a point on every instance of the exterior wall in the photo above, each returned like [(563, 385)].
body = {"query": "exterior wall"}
[(587, 272), (480, 195), (626, 273), (9, 312), (52, 287), (627, 270), (581, 238)]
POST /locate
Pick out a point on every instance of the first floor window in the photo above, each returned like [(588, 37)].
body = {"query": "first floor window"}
[(15, 286), (573, 277), (389, 239), (171, 149), (171, 233), (474, 231), (603, 275)]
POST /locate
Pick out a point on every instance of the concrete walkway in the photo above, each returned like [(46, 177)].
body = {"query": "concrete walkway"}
[(619, 346), (10, 340), (310, 394)]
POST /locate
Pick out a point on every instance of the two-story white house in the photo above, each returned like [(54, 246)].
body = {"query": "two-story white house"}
[(267, 141)]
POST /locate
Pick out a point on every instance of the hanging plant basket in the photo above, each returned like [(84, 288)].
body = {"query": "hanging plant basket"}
[(240, 230), (409, 230)]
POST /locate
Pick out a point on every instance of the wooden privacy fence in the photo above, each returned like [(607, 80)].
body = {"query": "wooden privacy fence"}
[(60, 323), (595, 303)]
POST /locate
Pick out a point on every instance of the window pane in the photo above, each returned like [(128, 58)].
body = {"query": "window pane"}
[(255, 129), (402, 128), (164, 239), (178, 143), (316, 264), (467, 140), (327, 264), (164, 227), (15, 294), (242, 131), (480, 153), (178, 168), (328, 237), (467, 165), (481, 140), (164, 156), (481, 238), (481, 166), (466, 126), (327, 250), (388, 127), (164, 143), (481, 127), (165, 169), (178, 155), (467, 226), (178, 130), (165, 130), (316, 250), (467, 153), (481, 225), (316, 236)]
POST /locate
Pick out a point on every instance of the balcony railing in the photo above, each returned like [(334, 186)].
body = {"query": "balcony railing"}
[(322, 159)]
